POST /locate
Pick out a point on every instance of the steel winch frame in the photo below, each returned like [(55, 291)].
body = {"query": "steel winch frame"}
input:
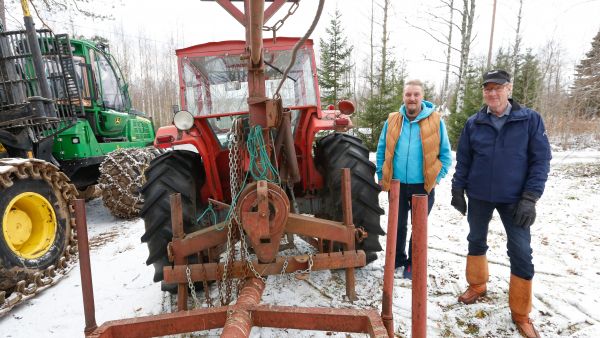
[(238, 319), (265, 217)]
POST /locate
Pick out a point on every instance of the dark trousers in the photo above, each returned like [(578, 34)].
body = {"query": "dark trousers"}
[(518, 244), (406, 192)]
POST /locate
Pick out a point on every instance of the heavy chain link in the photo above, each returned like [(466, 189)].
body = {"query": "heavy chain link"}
[(188, 274), (307, 270), (279, 23)]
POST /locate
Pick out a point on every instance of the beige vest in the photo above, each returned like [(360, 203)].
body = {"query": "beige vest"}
[(430, 142)]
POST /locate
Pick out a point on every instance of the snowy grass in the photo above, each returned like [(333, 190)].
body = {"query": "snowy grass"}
[(566, 249)]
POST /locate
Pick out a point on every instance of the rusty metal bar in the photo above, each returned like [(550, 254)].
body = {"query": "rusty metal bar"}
[(322, 319), (239, 320), (233, 11), (200, 240), (273, 8), (85, 269), (319, 228), (348, 222), (163, 324), (257, 12), (419, 287), (178, 234), (285, 139), (387, 314), (214, 271)]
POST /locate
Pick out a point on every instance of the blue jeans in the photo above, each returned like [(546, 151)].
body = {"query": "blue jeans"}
[(406, 192), (479, 215)]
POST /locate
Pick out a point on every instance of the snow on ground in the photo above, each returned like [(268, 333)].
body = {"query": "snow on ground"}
[(566, 249)]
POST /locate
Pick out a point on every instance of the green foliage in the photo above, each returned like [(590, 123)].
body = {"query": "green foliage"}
[(586, 87), (335, 63), (472, 103), (526, 82), (377, 107)]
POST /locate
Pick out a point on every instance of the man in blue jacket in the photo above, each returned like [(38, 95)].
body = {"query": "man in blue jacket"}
[(414, 149), (502, 164)]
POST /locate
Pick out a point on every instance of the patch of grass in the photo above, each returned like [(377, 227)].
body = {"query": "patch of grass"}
[(472, 329), (481, 314)]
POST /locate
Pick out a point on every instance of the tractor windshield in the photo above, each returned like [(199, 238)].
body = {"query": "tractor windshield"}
[(218, 84)]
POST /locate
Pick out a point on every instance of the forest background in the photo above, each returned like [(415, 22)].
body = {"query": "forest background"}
[(367, 49)]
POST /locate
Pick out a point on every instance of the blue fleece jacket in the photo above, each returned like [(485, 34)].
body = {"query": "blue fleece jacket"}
[(408, 156)]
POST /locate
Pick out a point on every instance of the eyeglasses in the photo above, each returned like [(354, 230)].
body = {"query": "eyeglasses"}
[(494, 89)]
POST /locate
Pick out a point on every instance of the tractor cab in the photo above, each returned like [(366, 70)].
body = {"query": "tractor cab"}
[(214, 80)]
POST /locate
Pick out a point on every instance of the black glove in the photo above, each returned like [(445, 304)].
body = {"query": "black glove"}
[(525, 212), (458, 200)]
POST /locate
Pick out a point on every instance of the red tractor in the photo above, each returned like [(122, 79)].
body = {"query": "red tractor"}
[(306, 146)]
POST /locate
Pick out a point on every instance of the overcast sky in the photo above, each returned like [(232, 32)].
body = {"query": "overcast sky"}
[(571, 23)]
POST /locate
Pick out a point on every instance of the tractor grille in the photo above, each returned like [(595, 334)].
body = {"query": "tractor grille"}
[(21, 101)]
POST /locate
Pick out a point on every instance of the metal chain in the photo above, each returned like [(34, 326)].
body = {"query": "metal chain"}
[(234, 181), (279, 23), (188, 274), (309, 269), (285, 265)]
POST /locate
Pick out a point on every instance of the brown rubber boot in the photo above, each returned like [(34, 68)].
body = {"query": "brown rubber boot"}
[(477, 277), (519, 300)]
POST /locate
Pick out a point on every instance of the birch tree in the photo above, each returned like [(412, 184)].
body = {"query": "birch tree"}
[(467, 15)]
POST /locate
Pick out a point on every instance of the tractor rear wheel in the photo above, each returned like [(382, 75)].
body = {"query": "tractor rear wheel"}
[(35, 219), (334, 152), (175, 171), (122, 176)]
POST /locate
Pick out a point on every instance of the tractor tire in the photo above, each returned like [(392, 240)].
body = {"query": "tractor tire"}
[(334, 152), (35, 221), (122, 176), (177, 171)]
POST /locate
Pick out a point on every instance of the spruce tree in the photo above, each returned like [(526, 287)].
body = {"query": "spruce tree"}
[(335, 62), (473, 101), (527, 80), (586, 87)]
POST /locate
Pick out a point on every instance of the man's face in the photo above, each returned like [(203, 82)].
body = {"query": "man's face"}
[(413, 96), (496, 96)]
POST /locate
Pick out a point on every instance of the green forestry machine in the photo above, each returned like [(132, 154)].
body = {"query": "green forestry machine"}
[(65, 117)]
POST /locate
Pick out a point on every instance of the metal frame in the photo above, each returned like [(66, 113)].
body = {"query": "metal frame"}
[(238, 319)]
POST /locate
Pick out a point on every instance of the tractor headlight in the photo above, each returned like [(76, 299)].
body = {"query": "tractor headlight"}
[(183, 120)]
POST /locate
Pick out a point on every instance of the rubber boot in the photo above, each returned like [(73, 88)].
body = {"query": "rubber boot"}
[(477, 277), (519, 300)]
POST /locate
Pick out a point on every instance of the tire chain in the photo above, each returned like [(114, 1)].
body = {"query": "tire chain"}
[(123, 200), (33, 282)]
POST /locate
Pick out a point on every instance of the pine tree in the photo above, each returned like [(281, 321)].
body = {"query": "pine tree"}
[(586, 87), (335, 62)]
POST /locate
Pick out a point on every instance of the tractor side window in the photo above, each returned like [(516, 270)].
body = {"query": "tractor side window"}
[(82, 80), (108, 83)]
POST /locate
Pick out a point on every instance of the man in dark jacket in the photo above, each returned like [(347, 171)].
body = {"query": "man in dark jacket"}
[(502, 163)]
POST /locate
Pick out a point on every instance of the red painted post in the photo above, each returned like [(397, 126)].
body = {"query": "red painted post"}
[(85, 268), (390, 257), (178, 233), (347, 220), (419, 259)]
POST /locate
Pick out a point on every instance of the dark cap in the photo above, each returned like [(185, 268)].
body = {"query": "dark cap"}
[(496, 76)]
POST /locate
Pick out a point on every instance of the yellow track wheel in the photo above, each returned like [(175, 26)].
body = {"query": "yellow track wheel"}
[(29, 225)]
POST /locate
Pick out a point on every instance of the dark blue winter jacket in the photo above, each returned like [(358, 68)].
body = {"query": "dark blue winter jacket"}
[(498, 166)]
